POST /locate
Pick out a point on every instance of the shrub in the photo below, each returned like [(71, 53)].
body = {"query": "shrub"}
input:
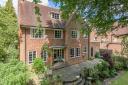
[(118, 65), (120, 62), (97, 55), (103, 69), (112, 72), (107, 57), (39, 66), (96, 71), (13, 73)]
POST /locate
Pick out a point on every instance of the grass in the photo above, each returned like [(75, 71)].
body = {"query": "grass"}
[(122, 80)]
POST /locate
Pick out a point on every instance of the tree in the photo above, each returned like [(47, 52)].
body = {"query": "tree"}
[(13, 73), (8, 33), (97, 14), (101, 14), (9, 8)]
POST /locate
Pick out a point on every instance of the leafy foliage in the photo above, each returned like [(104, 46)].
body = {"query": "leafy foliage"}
[(97, 55), (98, 71), (120, 62), (39, 66), (125, 45), (101, 14), (8, 33), (13, 73)]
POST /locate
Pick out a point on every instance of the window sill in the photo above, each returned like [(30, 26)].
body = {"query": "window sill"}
[(75, 57), (58, 38)]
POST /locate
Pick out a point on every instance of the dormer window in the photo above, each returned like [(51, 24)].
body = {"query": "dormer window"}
[(55, 15)]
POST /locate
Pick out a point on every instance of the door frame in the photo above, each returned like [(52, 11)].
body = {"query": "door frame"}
[(61, 54)]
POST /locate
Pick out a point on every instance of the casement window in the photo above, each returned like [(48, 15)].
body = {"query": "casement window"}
[(85, 49), (55, 15), (72, 52), (74, 34), (44, 55), (58, 34), (75, 52), (37, 33), (32, 56)]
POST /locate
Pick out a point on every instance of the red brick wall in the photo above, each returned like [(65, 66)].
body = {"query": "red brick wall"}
[(115, 47), (115, 42), (36, 44)]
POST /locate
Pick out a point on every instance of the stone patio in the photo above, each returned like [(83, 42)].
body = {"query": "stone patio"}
[(70, 73)]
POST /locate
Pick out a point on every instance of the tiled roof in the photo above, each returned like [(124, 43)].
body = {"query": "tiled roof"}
[(121, 31), (26, 15)]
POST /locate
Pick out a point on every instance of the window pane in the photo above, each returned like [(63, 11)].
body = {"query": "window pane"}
[(55, 15), (37, 33), (58, 34), (77, 52), (74, 34), (32, 56), (85, 49), (44, 55), (72, 51)]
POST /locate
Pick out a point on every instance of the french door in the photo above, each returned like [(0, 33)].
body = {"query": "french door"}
[(58, 55)]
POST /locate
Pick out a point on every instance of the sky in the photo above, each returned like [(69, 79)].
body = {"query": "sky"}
[(50, 3)]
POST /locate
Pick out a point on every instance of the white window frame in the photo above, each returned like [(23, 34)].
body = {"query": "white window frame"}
[(77, 35), (61, 34), (42, 53), (77, 55), (75, 52), (60, 53), (32, 56), (31, 33), (55, 15), (84, 49)]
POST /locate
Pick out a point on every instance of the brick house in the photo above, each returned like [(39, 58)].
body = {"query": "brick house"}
[(112, 41), (63, 38)]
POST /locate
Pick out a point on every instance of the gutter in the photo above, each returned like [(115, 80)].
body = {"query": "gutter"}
[(25, 46)]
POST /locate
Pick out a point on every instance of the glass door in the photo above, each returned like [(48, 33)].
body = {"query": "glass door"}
[(58, 55)]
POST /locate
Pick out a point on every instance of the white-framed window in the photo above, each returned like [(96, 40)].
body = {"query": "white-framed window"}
[(58, 34), (85, 49), (36, 33), (72, 52), (75, 52), (55, 15), (74, 34), (32, 56), (44, 55)]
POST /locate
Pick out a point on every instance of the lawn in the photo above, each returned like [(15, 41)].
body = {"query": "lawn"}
[(122, 80)]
